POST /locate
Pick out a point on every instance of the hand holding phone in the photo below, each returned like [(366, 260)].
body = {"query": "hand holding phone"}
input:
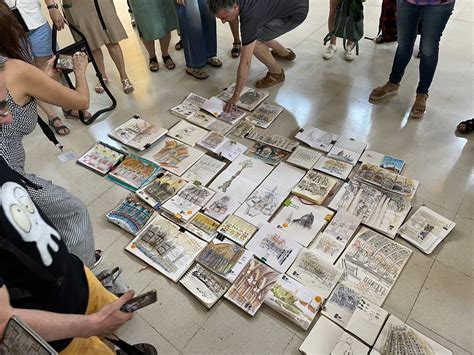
[(64, 62), (139, 302)]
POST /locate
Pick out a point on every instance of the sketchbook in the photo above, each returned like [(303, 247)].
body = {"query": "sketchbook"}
[(165, 248), (262, 136), (134, 172), (387, 180), (173, 155), (216, 106), (101, 158), (237, 230), (315, 187), (303, 157), (220, 127), (137, 133), (207, 287), (399, 338), (131, 215), (347, 150), (212, 141), (334, 167), (231, 149), (220, 206), (187, 132), (267, 153), (203, 226), (188, 108), (161, 189), (317, 138), (301, 219), (224, 258), (315, 273), (265, 114), (260, 206), (395, 165), (188, 201), (204, 170), (244, 293), (341, 304), (249, 98), (425, 229), (274, 247), (372, 264), (332, 242), (202, 119), (242, 128), (377, 209), (293, 301)]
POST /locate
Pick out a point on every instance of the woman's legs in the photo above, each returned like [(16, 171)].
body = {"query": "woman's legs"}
[(333, 4), (99, 60), (150, 48), (165, 44), (115, 52)]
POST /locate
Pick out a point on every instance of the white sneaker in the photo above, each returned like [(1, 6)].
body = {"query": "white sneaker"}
[(329, 51), (349, 53)]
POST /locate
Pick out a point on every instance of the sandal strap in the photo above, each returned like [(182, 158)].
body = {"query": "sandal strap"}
[(53, 120), (166, 57), (153, 60)]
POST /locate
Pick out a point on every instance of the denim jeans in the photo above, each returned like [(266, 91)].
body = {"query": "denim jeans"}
[(433, 19), (198, 32)]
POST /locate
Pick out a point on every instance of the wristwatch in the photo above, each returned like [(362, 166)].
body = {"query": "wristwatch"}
[(52, 6)]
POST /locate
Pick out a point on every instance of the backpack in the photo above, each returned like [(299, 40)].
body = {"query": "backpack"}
[(388, 21), (349, 23)]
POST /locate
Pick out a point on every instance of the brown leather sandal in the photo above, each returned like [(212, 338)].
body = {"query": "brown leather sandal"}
[(289, 57), (236, 48), (270, 79), (214, 62), (419, 107), (169, 63), (153, 65), (381, 92), (197, 73), (61, 130)]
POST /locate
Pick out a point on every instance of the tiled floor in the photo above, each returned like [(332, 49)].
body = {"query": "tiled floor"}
[(434, 294)]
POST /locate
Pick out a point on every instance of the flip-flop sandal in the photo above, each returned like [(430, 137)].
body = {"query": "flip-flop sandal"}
[(270, 79), (468, 126), (168, 62), (178, 46), (235, 51), (70, 114), (58, 129), (99, 88), (197, 73), (289, 57), (419, 106), (153, 65), (214, 62)]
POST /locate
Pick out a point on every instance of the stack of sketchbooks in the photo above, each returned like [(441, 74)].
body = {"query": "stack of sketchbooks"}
[(137, 133), (249, 98), (101, 158), (426, 229), (189, 106)]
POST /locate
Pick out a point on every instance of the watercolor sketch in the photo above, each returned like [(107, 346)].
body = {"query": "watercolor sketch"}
[(131, 215), (315, 187)]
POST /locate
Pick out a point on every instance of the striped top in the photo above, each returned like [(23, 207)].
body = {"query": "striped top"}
[(429, 2)]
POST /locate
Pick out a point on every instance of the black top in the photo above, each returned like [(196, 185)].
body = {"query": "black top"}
[(35, 264), (257, 13)]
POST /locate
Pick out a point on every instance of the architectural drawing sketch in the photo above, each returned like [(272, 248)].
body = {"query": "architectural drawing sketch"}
[(274, 247), (333, 167), (317, 138), (303, 157), (220, 206), (341, 304), (161, 189), (212, 141), (249, 98), (237, 230), (204, 170), (348, 150), (189, 107), (220, 127), (242, 128), (133, 172), (315, 273), (267, 153), (265, 114), (187, 133), (202, 119), (372, 264), (131, 215), (203, 226), (231, 149), (349, 345), (327, 248), (251, 286), (262, 136), (315, 187)]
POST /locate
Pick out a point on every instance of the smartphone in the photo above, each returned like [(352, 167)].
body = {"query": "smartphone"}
[(139, 302), (19, 338), (64, 62)]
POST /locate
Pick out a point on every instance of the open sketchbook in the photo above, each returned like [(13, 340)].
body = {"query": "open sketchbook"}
[(187, 132), (301, 220), (242, 128), (188, 108), (221, 206), (327, 337), (293, 301), (134, 172), (237, 230), (207, 287), (265, 114), (274, 247), (132, 215), (315, 187), (347, 150), (224, 258), (387, 180), (275, 140), (425, 229), (315, 273), (267, 153), (203, 226), (161, 189), (137, 133), (355, 314), (101, 158), (395, 165), (303, 157), (317, 138), (216, 106), (372, 264), (244, 292), (165, 248), (398, 338), (380, 210), (334, 167), (249, 98), (204, 170)]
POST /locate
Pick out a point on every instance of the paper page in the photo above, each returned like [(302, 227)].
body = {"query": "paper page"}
[(367, 321), (322, 338)]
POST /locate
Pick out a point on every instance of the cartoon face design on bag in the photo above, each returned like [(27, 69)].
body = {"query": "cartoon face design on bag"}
[(21, 212)]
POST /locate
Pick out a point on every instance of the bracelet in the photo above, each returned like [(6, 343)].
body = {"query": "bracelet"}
[(52, 6)]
